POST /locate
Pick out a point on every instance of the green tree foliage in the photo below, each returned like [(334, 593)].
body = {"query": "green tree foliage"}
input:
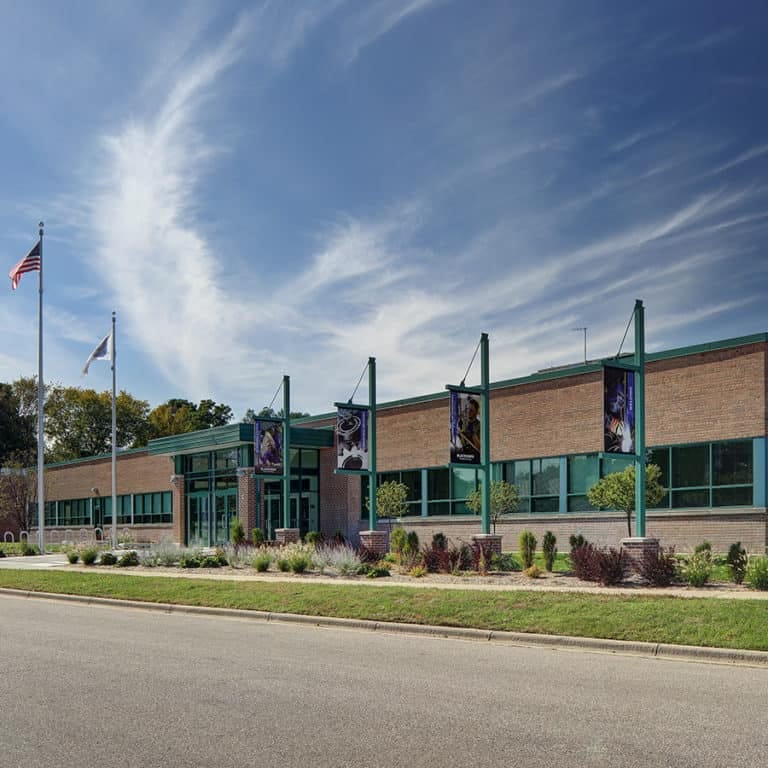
[(78, 422), (391, 498), (269, 413), (177, 416), (504, 500), (17, 429), (617, 491)]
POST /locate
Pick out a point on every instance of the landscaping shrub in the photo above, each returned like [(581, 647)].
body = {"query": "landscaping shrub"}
[(257, 537), (397, 540), (89, 554), (108, 558), (237, 532), (737, 562), (339, 538), (612, 564), (527, 546), (2, 552), (210, 561), (699, 568), (128, 559), (575, 541), (261, 561), (549, 549), (190, 558), (705, 546), (482, 556), (73, 556), (283, 564), (314, 538), (504, 562), (439, 541), (534, 572), (438, 558), (411, 548), (757, 573), (165, 554), (344, 559), (298, 562), (659, 568), (418, 571)]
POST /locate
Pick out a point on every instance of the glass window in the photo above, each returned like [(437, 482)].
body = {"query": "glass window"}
[(438, 484), (732, 463), (464, 481), (439, 508), (660, 457), (690, 466), (521, 476), (579, 504), (198, 462), (611, 464), (309, 459), (683, 499), (413, 481), (545, 504), (582, 473), (227, 459), (732, 497), (546, 477)]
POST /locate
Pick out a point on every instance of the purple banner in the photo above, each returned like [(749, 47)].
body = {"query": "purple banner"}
[(268, 447), (619, 410), (465, 428), (352, 439)]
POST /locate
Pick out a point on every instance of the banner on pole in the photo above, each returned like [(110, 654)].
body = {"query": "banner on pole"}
[(352, 429), (465, 427), (618, 410), (268, 447)]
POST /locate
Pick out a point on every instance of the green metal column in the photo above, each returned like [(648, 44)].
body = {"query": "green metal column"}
[(639, 419), (485, 436), (287, 453), (373, 521)]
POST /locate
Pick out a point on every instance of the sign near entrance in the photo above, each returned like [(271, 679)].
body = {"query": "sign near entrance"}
[(465, 427), (619, 410), (268, 447), (352, 439)]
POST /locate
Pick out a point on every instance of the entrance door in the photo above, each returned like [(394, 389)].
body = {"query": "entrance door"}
[(198, 520), (226, 509)]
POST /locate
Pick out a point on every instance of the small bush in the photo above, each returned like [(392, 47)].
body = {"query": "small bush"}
[(527, 545), (549, 549), (298, 562), (482, 556), (73, 556), (397, 540), (705, 546), (2, 552), (257, 537), (757, 573), (128, 559), (534, 572), (612, 564), (576, 541), (190, 558), (418, 571), (660, 568), (108, 558), (344, 560), (411, 547), (237, 532), (439, 541), (504, 562), (262, 561), (737, 562), (699, 568), (28, 549), (339, 538), (314, 538), (89, 554), (283, 564)]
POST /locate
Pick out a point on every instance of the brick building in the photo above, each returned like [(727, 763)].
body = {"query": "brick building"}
[(706, 427)]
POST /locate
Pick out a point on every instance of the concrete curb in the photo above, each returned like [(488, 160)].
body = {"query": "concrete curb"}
[(634, 648)]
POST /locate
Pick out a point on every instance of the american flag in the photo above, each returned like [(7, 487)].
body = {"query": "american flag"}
[(30, 263)]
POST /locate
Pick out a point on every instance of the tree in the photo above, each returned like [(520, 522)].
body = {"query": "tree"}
[(617, 491), (17, 430), (269, 413), (504, 500), (78, 422), (18, 494), (391, 498), (177, 416)]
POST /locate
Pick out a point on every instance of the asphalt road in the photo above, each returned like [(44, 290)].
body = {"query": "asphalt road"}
[(97, 686)]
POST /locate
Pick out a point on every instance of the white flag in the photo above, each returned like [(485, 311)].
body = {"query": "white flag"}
[(102, 352)]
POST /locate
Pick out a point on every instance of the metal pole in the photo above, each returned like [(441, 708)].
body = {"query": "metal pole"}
[(639, 419), (287, 453), (40, 409), (113, 357), (485, 434), (373, 521)]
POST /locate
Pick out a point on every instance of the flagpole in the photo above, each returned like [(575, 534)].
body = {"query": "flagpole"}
[(40, 410), (114, 439)]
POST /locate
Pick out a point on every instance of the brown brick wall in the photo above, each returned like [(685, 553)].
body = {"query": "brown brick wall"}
[(681, 530), (339, 498)]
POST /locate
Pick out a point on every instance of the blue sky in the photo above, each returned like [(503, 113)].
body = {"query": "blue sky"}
[(274, 188)]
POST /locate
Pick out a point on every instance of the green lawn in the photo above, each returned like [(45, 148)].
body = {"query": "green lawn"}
[(708, 622)]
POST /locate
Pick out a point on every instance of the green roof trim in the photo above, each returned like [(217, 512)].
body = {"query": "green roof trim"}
[(230, 436), (570, 370)]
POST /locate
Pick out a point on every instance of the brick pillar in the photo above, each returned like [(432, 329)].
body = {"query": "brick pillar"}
[(488, 541), (374, 541), (287, 535), (246, 500), (636, 550), (179, 509)]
